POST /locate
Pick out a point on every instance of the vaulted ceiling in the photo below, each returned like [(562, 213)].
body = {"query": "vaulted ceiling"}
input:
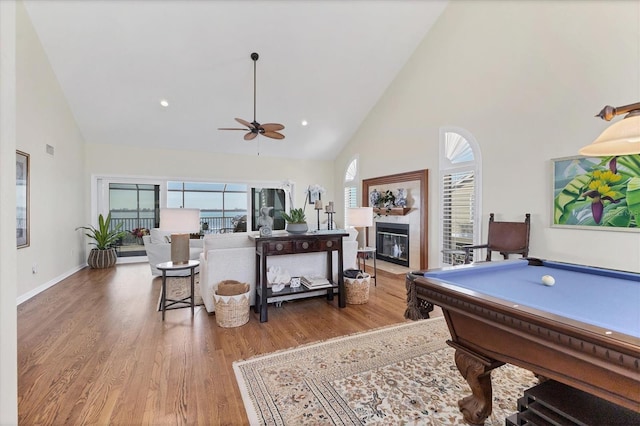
[(326, 62)]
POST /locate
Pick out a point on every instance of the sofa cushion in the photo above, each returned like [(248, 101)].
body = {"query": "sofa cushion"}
[(226, 241)]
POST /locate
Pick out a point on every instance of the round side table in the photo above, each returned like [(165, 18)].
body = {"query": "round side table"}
[(170, 266), (363, 255)]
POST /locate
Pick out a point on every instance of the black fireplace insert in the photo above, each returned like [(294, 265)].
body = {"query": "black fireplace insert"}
[(392, 242)]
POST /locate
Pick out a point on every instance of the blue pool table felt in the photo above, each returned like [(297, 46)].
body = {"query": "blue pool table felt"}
[(605, 298)]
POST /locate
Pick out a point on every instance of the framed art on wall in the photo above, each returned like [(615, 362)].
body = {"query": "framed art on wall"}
[(314, 193), (22, 199), (597, 192)]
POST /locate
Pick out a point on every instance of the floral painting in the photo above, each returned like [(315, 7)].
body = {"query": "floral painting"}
[(597, 192)]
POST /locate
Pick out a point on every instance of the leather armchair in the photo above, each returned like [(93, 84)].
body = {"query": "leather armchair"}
[(504, 237)]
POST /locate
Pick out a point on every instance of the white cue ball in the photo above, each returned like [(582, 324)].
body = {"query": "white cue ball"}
[(548, 280)]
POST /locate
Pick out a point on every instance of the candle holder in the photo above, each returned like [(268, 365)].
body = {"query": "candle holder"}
[(330, 211), (318, 207)]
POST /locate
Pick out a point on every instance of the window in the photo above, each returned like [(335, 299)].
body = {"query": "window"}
[(460, 164), (350, 188), (223, 206)]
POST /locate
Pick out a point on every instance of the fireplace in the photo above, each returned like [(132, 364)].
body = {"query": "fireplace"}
[(392, 242)]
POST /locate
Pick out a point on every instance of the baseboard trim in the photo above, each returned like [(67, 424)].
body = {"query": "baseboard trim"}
[(28, 295)]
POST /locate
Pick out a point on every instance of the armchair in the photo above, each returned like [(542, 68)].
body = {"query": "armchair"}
[(504, 237)]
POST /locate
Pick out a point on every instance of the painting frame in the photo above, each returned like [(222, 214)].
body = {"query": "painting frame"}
[(314, 196), (596, 193), (23, 175)]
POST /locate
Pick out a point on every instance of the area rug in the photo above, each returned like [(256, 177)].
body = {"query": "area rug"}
[(402, 374), (179, 288)]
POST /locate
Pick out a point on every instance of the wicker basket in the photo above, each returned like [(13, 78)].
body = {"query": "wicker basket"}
[(357, 289), (232, 311)]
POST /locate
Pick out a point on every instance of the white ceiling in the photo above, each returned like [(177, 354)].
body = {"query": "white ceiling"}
[(327, 62)]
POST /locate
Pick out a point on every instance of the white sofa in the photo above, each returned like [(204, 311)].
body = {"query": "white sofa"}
[(233, 257), (158, 249)]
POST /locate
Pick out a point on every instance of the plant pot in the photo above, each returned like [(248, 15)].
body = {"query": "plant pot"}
[(297, 228), (100, 259)]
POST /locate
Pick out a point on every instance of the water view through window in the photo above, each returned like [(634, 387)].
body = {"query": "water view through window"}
[(223, 206), (136, 207)]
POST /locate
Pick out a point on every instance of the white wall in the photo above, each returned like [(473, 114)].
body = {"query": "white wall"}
[(57, 184), (8, 322), (525, 79)]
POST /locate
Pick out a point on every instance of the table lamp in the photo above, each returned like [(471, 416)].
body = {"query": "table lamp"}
[(180, 223), (360, 217)]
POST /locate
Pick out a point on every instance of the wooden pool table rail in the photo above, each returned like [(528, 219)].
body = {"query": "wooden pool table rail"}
[(487, 331)]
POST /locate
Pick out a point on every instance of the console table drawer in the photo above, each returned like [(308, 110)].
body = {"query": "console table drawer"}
[(332, 244), (306, 245), (278, 247)]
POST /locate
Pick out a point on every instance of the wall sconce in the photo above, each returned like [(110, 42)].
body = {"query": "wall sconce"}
[(621, 138), (180, 222)]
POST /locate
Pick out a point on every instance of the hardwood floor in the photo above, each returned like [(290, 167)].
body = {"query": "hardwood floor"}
[(94, 350)]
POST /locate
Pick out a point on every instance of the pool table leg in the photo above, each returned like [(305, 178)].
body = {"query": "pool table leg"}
[(476, 371)]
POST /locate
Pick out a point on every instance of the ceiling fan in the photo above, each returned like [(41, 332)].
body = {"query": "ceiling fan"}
[(254, 128)]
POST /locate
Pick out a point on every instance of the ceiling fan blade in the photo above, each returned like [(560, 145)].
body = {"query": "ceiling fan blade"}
[(271, 127), (274, 135), (245, 123), (250, 136), (231, 128)]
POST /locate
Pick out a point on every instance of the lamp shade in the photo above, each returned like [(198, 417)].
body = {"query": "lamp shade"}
[(621, 138), (180, 220), (360, 216)]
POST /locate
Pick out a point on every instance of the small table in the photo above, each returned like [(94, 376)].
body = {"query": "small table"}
[(170, 266), (364, 254)]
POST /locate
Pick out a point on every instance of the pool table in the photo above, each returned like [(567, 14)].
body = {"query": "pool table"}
[(583, 331)]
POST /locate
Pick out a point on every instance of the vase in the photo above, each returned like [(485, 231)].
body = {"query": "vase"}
[(99, 259), (297, 228), (374, 198)]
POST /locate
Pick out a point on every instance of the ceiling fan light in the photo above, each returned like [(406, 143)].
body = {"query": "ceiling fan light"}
[(255, 128), (621, 138)]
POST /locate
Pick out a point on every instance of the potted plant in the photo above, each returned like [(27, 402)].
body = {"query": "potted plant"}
[(104, 239), (296, 221), (138, 233)]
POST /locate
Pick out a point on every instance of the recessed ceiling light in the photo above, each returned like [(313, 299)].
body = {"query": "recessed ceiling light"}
[(164, 103), (304, 122)]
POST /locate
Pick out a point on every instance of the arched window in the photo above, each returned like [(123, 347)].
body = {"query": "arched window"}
[(350, 187), (460, 183)]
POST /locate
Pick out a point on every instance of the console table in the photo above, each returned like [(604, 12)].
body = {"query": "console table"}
[(297, 244)]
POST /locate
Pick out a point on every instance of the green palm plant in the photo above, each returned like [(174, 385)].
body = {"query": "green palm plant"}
[(102, 236)]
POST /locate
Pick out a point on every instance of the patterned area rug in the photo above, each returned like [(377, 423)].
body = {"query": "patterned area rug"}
[(179, 288), (403, 374)]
